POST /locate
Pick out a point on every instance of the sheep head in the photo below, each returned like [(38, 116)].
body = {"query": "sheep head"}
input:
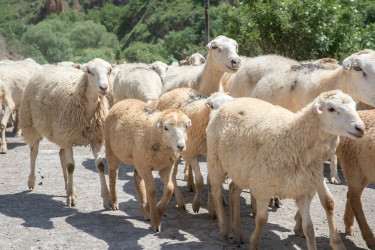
[(98, 72), (360, 71), (222, 54), (196, 59), (217, 99), (160, 68), (173, 124), (338, 114)]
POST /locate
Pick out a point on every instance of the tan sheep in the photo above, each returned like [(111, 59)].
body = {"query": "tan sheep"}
[(357, 161), (68, 107), (139, 135), (198, 108), (14, 77), (254, 143), (222, 57), (136, 80)]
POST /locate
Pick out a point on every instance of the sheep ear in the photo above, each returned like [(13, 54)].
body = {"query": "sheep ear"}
[(347, 63), (209, 103), (160, 125), (317, 108), (189, 123)]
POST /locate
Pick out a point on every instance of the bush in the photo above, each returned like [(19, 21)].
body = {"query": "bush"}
[(144, 52)]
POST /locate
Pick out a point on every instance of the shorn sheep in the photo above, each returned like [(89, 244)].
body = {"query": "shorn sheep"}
[(14, 77), (292, 85), (136, 81), (222, 57), (68, 107), (357, 160), (198, 108), (136, 134), (255, 142)]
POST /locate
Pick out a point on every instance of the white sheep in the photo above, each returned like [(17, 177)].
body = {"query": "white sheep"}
[(255, 142), (160, 68), (196, 59), (222, 57), (292, 85), (68, 107), (357, 161), (136, 81), (198, 108), (14, 77), (139, 135)]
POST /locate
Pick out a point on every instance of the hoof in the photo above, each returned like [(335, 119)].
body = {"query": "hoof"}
[(3, 149), (335, 180), (196, 206), (31, 183)]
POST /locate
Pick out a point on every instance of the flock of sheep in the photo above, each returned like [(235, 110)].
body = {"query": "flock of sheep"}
[(266, 123)]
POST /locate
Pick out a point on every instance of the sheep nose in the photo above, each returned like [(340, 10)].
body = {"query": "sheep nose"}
[(360, 128), (236, 62), (181, 147), (103, 87)]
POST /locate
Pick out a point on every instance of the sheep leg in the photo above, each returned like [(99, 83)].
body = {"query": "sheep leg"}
[(113, 165), (334, 176), (63, 166), (177, 194), (165, 175), (33, 154), (16, 128), (142, 195), (71, 199), (190, 178), (151, 195), (307, 225), (3, 126), (210, 202), (354, 198), (253, 205), (198, 184), (260, 221), (235, 212), (327, 202), (99, 164), (216, 178)]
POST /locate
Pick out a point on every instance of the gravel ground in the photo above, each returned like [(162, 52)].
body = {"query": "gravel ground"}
[(40, 219)]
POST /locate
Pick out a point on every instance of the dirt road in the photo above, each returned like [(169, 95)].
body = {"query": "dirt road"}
[(40, 219)]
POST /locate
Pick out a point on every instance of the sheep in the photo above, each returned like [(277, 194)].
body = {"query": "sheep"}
[(196, 59), (254, 143), (139, 135), (198, 108), (68, 107), (136, 81), (357, 162), (13, 80), (292, 85), (222, 57), (160, 68)]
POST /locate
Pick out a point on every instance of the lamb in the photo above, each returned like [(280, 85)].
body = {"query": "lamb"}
[(136, 134), (198, 108), (263, 155), (13, 80), (357, 162), (136, 81), (68, 107), (222, 57), (292, 85)]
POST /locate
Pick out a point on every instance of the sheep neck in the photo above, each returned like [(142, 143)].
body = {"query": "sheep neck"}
[(92, 101), (334, 80), (209, 80), (317, 142)]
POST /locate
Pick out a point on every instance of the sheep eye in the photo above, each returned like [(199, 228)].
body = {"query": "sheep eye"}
[(89, 71), (331, 109), (166, 129), (357, 68)]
